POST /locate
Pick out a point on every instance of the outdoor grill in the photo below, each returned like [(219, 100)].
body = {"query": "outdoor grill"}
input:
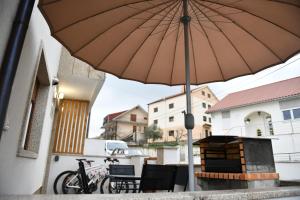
[(229, 162)]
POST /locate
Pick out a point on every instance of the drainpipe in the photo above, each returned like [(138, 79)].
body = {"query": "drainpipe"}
[(12, 55)]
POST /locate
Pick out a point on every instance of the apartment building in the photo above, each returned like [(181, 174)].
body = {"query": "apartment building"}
[(167, 114)]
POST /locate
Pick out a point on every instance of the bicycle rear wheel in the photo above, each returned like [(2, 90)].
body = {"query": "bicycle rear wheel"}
[(113, 186), (58, 181), (72, 184)]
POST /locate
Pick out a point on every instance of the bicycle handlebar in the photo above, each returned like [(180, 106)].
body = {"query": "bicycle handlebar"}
[(108, 159)]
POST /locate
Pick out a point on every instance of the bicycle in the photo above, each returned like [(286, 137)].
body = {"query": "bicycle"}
[(83, 180)]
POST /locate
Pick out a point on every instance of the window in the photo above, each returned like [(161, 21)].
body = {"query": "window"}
[(209, 106), (291, 114), (171, 133), (133, 117), (155, 109), (145, 118), (155, 121), (206, 133), (286, 115), (209, 120), (171, 119), (204, 105), (296, 113), (226, 114), (208, 95), (203, 93), (204, 118), (33, 124), (171, 105), (134, 129), (30, 114)]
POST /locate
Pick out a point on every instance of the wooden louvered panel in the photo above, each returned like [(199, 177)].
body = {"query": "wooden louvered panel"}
[(71, 127)]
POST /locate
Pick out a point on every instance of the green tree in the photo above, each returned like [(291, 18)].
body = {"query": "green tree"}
[(153, 132)]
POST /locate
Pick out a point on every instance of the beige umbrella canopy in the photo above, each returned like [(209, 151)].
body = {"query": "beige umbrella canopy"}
[(177, 41), (143, 40)]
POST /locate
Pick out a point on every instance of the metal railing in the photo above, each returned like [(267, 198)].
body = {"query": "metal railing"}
[(285, 137)]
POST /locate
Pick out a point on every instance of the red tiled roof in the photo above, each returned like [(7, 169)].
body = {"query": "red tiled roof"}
[(265, 93), (113, 115)]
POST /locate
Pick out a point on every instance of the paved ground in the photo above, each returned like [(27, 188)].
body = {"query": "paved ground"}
[(281, 193), (287, 198)]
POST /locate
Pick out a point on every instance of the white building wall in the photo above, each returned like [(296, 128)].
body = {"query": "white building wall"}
[(235, 125), (20, 175), (164, 112), (285, 141)]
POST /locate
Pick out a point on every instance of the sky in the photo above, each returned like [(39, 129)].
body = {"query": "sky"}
[(118, 94)]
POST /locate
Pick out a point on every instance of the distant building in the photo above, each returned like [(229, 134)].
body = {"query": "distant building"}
[(127, 125), (271, 111), (167, 114)]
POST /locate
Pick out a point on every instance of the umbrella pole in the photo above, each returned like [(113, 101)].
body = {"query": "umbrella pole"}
[(189, 118)]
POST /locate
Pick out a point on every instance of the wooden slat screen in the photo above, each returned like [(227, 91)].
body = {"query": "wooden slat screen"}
[(71, 127)]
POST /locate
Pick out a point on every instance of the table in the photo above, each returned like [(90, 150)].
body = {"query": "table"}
[(123, 179)]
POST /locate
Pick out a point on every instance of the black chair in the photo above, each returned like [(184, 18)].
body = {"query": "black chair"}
[(182, 176), (121, 183), (121, 170), (157, 177)]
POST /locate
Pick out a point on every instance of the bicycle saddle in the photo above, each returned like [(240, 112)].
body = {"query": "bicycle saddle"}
[(80, 159)]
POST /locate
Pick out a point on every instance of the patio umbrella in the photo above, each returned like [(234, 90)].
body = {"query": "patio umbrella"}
[(176, 42)]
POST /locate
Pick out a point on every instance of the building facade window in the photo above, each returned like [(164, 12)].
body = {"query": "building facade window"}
[(203, 93), (208, 95), (133, 117), (204, 118), (204, 105), (296, 113), (171, 133), (209, 106), (171, 119), (171, 105), (226, 114), (291, 114), (155, 109), (30, 114), (34, 117), (209, 120), (206, 133), (134, 129), (155, 121)]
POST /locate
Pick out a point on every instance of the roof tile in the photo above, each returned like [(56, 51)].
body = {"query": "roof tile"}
[(269, 92)]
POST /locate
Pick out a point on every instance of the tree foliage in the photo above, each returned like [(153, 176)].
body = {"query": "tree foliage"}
[(153, 132)]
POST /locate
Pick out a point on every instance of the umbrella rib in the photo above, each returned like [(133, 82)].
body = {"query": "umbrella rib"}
[(287, 3), (94, 38), (140, 46), (209, 42), (235, 48), (51, 2), (238, 25), (175, 49), (100, 62), (147, 76), (250, 13), (105, 11)]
